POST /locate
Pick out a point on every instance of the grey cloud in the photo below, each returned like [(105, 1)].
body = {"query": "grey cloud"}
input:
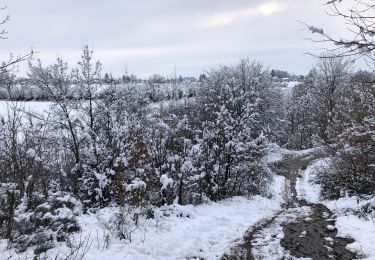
[(151, 36)]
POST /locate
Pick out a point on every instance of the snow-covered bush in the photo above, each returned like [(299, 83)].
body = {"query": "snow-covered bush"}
[(8, 199), (232, 140), (312, 103), (302, 115), (352, 135), (47, 223), (113, 149)]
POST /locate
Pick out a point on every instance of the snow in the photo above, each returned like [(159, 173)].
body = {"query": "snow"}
[(292, 84), (306, 187), (330, 227), (207, 233), (165, 181), (287, 90), (314, 29), (35, 106), (274, 154), (362, 231), (160, 105), (61, 213), (30, 153), (348, 224), (136, 185), (204, 231), (310, 151), (267, 244), (278, 188)]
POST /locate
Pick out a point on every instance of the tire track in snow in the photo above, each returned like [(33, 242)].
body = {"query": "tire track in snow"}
[(299, 230)]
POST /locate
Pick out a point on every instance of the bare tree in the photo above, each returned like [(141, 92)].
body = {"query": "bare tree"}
[(54, 80), (359, 21), (11, 63)]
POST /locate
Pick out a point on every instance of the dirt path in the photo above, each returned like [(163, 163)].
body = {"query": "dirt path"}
[(300, 229)]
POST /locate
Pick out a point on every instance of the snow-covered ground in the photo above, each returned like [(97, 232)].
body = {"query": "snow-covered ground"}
[(287, 90), (346, 210), (267, 244), (205, 231), (306, 187), (288, 86), (276, 153), (159, 105), (29, 106)]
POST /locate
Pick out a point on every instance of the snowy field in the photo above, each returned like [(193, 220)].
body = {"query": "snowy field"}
[(177, 232), (29, 106), (44, 106)]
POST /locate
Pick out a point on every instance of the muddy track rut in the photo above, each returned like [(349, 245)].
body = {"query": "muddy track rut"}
[(299, 230)]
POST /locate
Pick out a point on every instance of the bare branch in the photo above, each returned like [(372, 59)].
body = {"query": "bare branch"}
[(360, 21), (10, 64)]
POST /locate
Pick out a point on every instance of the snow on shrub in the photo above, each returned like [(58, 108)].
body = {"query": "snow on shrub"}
[(47, 223)]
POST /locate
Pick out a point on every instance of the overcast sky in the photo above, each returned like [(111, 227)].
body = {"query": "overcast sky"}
[(154, 36)]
